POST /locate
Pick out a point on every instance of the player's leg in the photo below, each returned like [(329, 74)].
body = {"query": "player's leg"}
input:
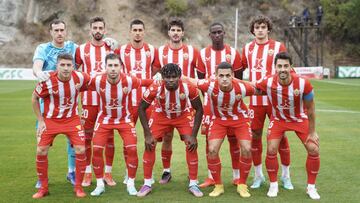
[(71, 163), (99, 141), (234, 149), (257, 115), (166, 152), (128, 134), (214, 164), (148, 165), (109, 158), (284, 151)]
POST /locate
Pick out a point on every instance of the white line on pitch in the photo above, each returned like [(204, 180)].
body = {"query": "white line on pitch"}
[(339, 83), (337, 111)]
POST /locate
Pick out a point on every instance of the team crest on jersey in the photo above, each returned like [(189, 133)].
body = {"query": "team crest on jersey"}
[(148, 54), (146, 93), (186, 56), (182, 96), (238, 97), (271, 52), (296, 92), (38, 88), (228, 57), (125, 90)]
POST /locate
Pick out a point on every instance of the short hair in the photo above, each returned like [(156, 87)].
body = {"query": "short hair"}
[(283, 55), (258, 20), (176, 22), (65, 56), (111, 56), (136, 22), (216, 23), (55, 22), (97, 19), (224, 65), (170, 69)]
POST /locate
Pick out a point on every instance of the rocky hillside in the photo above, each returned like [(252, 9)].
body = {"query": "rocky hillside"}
[(24, 23)]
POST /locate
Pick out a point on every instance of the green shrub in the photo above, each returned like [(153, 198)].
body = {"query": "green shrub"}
[(176, 7)]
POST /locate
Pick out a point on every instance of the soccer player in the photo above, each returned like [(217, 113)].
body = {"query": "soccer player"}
[(258, 55), (60, 95), (293, 109), (44, 60), (113, 89), (229, 114), (185, 56), (209, 58), (172, 98), (137, 58), (90, 58)]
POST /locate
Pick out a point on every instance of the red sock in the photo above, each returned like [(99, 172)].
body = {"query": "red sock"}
[(166, 158), (215, 169), (245, 166), (98, 161), (192, 162), (256, 150), (125, 154), (88, 151), (80, 164), (284, 151), (148, 161), (132, 161), (42, 170), (272, 166), (312, 167), (234, 152), (207, 152), (110, 150)]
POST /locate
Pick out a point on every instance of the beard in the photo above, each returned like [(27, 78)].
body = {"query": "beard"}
[(98, 36)]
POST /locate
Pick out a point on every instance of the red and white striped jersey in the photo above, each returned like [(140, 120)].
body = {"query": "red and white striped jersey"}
[(138, 63), (115, 102), (259, 58), (92, 59), (210, 58), (171, 103), (61, 97), (186, 57), (287, 101), (227, 105)]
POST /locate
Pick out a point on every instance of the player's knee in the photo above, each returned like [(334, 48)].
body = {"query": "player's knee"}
[(246, 150), (42, 150), (271, 149), (256, 134), (212, 152), (312, 149), (131, 151), (79, 149)]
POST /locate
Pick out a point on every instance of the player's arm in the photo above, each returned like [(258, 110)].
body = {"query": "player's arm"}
[(149, 140), (36, 108), (38, 72), (239, 74), (193, 81), (310, 107), (197, 105)]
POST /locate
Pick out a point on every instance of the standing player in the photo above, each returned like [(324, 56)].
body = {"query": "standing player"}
[(137, 58), (229, 114), (44, 60), (114, 89), (60, 94), (172, 98), (258, 55), (209, 58), (185, 56), (90, 57), (293, 109)]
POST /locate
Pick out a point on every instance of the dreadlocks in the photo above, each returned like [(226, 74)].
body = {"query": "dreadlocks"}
[(170, 70)]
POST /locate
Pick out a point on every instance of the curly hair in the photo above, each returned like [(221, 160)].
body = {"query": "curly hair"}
[(258, 20), (170, 69)]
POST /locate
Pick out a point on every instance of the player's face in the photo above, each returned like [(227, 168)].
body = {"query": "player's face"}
[(113, 68), (261, 30), (176, 34), (137, 32), (98, 30), (217, 34), (58, 33), (225, 77), (283, 68), (171, 82), (65, 68)]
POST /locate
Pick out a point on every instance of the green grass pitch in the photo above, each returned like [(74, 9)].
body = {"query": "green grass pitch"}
[(338, 125)]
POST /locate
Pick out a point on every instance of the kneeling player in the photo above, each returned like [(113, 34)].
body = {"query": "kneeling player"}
[(60, 94), (172, 98)]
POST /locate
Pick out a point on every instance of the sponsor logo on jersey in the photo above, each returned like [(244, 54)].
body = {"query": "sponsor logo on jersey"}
[(186, 56), (271, 52), (238, 97), (67, 103), (285, 105), (258, 67), (228, 57), (113, 104)]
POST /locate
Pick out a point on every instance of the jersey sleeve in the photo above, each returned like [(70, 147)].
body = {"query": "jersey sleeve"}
[(136, 82), (194, 62), (237, 62), (308, 88), (282, 48), (150, 93), (40, 53), (244, 59), (41, 90), (203, 85), (85, 85), (193, 92), (261, 84), (156, 66), (200, 65), (91, 84), (250, 90), (78, 60)]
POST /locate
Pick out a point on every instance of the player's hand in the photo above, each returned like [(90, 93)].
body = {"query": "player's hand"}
[(192, 143), (42, 76), (157, 78), (112, 43), (149, 143), (314, 138), (41, 128)]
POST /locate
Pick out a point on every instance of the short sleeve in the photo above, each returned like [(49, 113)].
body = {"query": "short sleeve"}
[(261, 84), (308, 88), (40, 53), (78, 60), (150, 93), (244, 59), (41, 90), (193, 92), (237, 62), (85, 85), (203, 85)]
